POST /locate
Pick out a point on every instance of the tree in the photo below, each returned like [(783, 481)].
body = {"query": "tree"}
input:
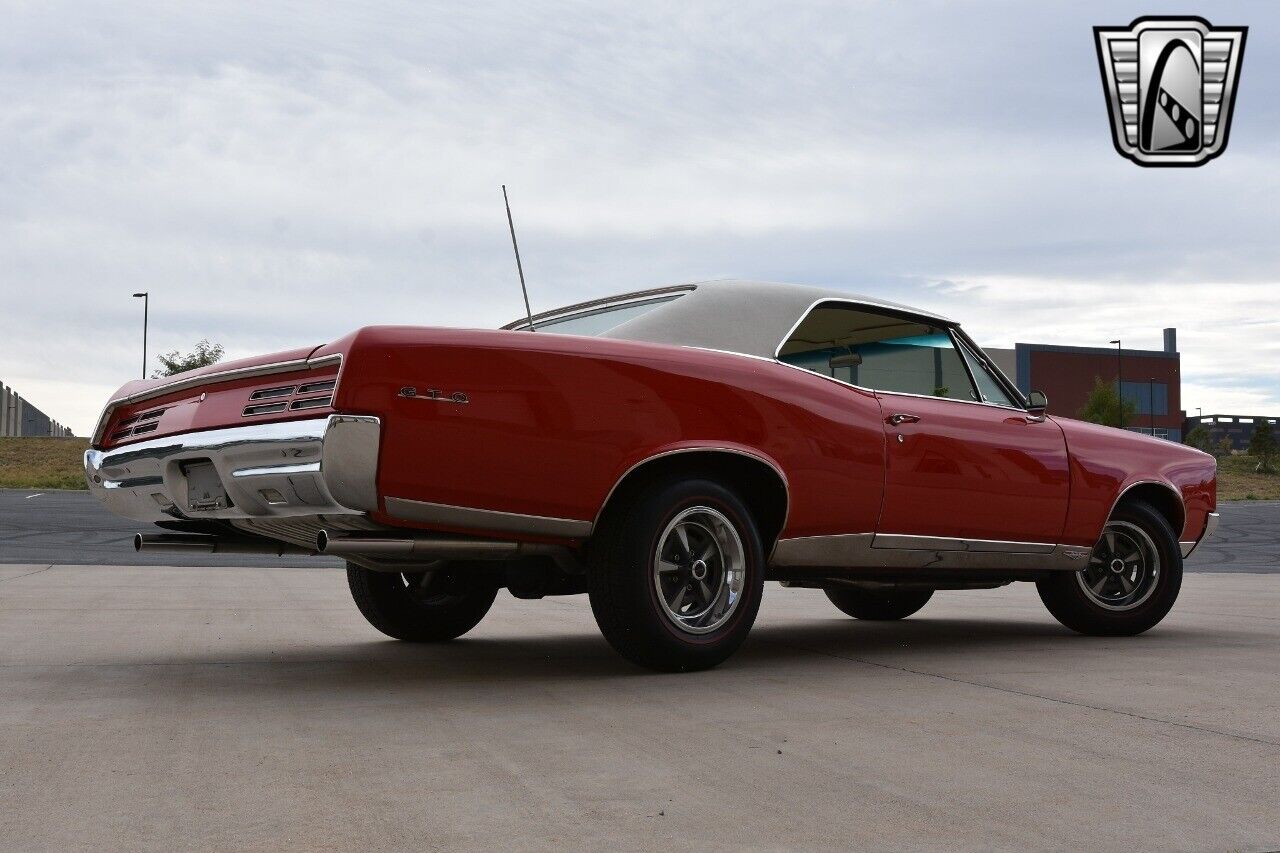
[(1224, 447), (203, 355), (1263, 445), (1199, 438), (1105, 407)]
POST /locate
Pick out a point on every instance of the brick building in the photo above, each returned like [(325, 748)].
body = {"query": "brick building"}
[(1149, 379)]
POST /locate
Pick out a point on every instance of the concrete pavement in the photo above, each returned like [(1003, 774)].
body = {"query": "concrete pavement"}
[(159, 708)]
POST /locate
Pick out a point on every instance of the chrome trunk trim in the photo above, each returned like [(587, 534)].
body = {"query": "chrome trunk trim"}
[(486, 519)]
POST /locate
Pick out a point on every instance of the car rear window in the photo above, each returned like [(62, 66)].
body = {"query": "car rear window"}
[(597, 321)]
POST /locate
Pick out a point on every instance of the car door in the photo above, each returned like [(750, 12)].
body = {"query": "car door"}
[(966, 467), (979, 470)]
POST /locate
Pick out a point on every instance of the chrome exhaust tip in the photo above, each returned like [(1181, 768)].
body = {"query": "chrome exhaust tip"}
[(203, 543)]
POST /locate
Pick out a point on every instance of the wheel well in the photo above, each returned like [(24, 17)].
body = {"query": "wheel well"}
[(1162, 498), (757, 482)]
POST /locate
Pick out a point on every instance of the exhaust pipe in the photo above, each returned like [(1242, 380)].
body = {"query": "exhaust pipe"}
[(437, 548), (431, 547), (200, 543)]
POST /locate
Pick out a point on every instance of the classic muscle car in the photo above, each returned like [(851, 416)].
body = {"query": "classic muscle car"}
[(665, 452)]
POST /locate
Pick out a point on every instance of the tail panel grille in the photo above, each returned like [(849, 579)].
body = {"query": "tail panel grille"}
[(270, 393), (317, 387), (312, 403), (137, 424), (264, 409), (290, 398)]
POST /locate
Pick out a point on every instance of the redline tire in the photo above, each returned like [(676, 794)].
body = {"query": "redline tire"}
[(636, 598), (391, 604), (1113, 610)]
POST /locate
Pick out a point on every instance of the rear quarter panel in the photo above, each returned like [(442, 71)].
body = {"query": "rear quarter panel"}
[(554, 421)]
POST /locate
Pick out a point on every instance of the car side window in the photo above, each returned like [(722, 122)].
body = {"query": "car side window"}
[(878, 351), (988, 385)]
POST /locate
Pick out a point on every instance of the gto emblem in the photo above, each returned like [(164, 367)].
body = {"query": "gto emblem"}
[(1170, 84), (434, 394)]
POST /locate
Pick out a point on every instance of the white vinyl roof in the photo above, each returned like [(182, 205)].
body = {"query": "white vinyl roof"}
[(750, 317)]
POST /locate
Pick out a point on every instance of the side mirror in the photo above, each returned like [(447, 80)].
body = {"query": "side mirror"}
[(849, 359), (1037, 404)]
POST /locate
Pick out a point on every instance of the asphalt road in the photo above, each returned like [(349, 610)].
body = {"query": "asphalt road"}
[(71, 528), (151, 708)]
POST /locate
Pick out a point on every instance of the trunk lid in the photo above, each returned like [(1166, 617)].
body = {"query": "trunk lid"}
[(282, 386)]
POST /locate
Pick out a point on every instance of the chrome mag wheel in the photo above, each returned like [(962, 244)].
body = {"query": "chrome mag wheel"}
[(1123, 569), (699, 570)]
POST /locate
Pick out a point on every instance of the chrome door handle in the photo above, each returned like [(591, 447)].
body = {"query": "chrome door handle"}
[(903, 419)]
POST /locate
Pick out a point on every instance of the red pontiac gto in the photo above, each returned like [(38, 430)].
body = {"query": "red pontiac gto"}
[(665, 452)]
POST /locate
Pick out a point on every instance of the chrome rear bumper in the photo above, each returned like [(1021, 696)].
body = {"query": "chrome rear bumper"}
[(1210, 525), (322, 466)]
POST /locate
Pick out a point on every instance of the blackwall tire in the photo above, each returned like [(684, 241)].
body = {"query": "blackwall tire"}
[(676, 574), (878, 606), (395, 606), (1115, 595)]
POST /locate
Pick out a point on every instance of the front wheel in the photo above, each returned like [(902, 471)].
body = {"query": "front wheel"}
[(417, 606), (676, 575), (1131, 581)]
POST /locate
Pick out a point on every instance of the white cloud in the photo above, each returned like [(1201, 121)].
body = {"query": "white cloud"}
[(275, 175), (1223, 341)]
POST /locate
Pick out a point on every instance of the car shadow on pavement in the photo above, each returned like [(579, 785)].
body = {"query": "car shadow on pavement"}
[(520, 668)]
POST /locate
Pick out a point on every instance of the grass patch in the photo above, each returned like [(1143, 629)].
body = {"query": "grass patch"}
[(42, 463), (1237, 481)]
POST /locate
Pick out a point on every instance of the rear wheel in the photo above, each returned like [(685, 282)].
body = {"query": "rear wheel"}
[(417, 606), (1131, 582), (676, 575), (878, 606)]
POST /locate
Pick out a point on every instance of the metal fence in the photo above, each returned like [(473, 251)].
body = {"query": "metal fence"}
[(21, 419)]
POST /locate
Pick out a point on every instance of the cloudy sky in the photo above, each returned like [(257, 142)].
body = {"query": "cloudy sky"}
[(278, 174)]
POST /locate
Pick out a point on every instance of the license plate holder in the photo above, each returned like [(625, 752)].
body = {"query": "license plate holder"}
[(205, 491)]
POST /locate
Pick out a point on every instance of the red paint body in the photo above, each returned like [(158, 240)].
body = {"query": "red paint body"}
[(973, 471), (555, 421)]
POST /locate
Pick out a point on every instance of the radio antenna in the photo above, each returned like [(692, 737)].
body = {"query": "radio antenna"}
[(520, 269)]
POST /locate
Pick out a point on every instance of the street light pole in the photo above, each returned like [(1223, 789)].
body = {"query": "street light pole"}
[(1151, 403), (146, 309), (1119, 380)]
